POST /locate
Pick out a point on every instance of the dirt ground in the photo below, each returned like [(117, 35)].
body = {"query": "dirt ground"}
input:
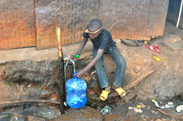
[(171, 46)]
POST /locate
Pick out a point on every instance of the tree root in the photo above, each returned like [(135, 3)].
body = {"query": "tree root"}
[(169, 114)]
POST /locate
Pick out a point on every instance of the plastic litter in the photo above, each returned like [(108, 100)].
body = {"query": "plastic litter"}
[(77, 56), (155, 102), (138, 110), (106, 110), (179, 108), (156, 58)]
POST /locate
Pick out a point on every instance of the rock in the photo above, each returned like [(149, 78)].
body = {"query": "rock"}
[(173, 42), (113, 117), (171, 38), (84, 114), (33, 118), (173, 46)]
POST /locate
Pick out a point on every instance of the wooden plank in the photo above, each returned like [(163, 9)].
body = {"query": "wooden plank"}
[(17, 28)]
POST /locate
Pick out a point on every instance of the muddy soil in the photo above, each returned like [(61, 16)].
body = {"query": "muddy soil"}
[(145, 78)]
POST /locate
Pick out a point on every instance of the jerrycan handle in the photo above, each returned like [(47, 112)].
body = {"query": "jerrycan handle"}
[(75, 73)]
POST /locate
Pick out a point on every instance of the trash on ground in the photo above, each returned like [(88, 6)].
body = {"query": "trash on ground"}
[(155, 102), (106, 110), (179, 108), (156, 58), (138, 110)]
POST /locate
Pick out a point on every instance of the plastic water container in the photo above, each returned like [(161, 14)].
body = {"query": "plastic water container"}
[(76, 92)]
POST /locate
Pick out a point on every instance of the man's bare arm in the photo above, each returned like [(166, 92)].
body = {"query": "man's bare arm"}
[(82, 45), (91, 64)]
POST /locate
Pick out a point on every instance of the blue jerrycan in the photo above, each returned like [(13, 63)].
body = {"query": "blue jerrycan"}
[(76, 92)]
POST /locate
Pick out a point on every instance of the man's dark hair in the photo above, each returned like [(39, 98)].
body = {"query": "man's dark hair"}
[(94, 25)]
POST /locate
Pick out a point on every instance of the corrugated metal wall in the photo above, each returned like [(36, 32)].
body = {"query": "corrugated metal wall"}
[(140, 19)]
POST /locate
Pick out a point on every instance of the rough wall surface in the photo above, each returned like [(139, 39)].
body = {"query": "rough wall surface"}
[(71, 16), (125, 19), (17, 24), (157, 17)]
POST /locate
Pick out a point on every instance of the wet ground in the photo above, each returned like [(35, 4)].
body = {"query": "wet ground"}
[(140, 109), (149, 109)]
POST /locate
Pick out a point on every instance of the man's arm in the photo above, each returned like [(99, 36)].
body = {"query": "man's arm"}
[(91, 64), (82, 45)]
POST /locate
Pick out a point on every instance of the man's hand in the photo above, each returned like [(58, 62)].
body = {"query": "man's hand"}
[(75, 55), (80, 73), (72, 55)]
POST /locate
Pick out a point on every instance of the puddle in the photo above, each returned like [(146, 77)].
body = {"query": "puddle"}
[(49, 113)]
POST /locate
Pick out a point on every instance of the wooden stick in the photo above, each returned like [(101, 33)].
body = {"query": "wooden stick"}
[(168, 114), (133, 83), (61, 71), (26, 101), (59, 42)]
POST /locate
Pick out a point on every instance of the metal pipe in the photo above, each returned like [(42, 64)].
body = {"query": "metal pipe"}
[(180, 11), (74, 65)]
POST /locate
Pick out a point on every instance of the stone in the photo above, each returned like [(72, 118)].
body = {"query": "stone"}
[(172, 41), (33, 118), (173, 46), (84, 114), (113, 117), (171, 38)]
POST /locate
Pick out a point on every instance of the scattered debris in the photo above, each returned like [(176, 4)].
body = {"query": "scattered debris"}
[(169, 114), (138, 110), (156, 103), (106, 110), (156, 58), (179, 108), (154, 112)]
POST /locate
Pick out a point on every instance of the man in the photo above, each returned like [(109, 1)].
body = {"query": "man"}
[(103, 43)]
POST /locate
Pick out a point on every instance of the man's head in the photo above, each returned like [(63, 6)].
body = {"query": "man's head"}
[(94, 28)]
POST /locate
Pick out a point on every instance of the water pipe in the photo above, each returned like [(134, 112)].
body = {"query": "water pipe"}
[(180, 11), (74, 65)]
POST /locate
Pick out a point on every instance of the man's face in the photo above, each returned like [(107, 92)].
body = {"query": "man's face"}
[(93, 36)]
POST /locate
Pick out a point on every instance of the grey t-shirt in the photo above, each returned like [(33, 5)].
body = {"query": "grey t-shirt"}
[(102, 41)]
